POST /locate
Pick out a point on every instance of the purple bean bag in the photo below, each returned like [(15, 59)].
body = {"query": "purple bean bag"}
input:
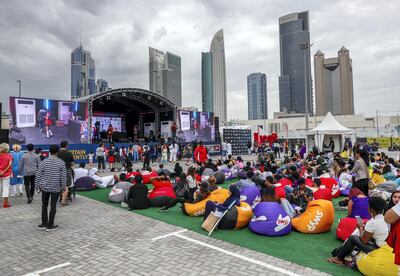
[(85, 183), (250, 195), (228, 174), (344, 192), (270, 220), (235, 173), (242, 174)]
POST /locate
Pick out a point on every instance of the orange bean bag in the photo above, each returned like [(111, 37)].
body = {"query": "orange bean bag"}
[(198, 209), (345, 227), (237, 217), (318, 217)]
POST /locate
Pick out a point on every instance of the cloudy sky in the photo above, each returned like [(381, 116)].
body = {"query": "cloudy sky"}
[(37, 38)]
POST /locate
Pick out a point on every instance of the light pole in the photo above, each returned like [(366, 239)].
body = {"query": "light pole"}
[(19, 88), (377, 123), (306, 46)]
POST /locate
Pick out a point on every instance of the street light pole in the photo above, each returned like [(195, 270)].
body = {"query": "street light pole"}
[(377, 123), (305, 46), (19, 88)]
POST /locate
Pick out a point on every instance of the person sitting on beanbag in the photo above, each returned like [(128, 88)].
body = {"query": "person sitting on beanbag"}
[(234, 199), (137, 195), (245, 182), (365, 238), (202, 193), (322, 192), (358, 204), (212, 184), (269, 195), (301, 195)]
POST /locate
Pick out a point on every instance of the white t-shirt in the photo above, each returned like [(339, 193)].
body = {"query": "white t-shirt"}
[(224, 146), (191, 182), (379, 228), (229, 148), (80, 172)]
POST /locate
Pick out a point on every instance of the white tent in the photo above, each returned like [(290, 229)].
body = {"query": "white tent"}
[(329, 127)]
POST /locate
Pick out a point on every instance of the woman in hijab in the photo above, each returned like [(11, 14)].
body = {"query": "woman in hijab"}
[(232, 200)]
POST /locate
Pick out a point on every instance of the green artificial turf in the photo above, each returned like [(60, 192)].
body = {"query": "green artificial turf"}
[(310, 250)]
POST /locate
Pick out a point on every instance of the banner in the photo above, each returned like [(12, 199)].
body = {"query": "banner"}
[(384, 142)]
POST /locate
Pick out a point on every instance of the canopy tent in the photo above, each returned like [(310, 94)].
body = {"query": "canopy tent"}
[(329, 127)]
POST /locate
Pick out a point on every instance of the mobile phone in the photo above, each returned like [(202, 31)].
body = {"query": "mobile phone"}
[(359, 220)]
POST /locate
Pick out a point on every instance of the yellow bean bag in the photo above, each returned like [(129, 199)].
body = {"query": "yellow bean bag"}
[(237, 217), (378, 262), (318, 217), (198, 209)]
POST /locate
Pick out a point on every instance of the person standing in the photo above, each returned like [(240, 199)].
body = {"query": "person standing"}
[(200, 153), (68, 159), (146, 157), (16, 179), (331, 144), (110, 132), (361, 171), (27, 168), (173, 130), (173, 151), (51, 179), (5, 173), (224, 150), (229, 148), (135, 153), (100, 153)]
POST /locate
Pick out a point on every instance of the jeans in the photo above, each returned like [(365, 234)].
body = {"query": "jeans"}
[(352, 242), (288, 207), (101, 165), (135, 156), (29, 182), (48, 220)]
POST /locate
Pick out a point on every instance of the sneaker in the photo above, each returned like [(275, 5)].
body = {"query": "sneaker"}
[(51, 228), (29, 200), (164, 209), (42, 226), (124, 205)]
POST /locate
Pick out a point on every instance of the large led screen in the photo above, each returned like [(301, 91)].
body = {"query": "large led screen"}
[(195, 125)]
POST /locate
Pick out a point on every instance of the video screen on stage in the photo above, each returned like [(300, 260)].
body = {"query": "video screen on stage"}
[(196, 125), (105, 119), (46, 121)]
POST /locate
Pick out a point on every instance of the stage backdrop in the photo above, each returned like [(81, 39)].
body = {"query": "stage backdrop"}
[(196, 125)]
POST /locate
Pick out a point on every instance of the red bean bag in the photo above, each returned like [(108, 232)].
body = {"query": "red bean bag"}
[(147, 176), (318, 217), (331, 184), (323, 193), (345, 227), (309, 182), (285, 182)]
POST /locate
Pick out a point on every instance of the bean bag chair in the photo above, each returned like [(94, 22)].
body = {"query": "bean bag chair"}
[(220, 177), (346, 227), (242, 174), (379, 262), (234, 172), (207, 173), (163, 194), (104, 181), (286, 182), (251, 195), (198, 177), (318, 217), (237, 217), (331, 184), (85, 183), (360, 208), (147, 176), (228, 174), (119, 192), (345, 192), (309, 182), (270, 219), (198, 209)]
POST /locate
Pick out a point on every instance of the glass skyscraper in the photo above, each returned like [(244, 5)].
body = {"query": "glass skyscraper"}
[(214, 76), (257, 96), (294, 29), (165, 76), (83, 73)]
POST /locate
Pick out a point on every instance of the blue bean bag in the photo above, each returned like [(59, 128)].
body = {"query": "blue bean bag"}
[(250, 195), (85, 183), (270, 220), (344, 192), (228, 174)]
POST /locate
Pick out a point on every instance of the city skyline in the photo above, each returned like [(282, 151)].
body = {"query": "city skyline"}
[(38, 55), (257, 100)]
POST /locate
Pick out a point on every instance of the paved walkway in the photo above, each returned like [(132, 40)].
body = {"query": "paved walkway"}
[(98, 239)]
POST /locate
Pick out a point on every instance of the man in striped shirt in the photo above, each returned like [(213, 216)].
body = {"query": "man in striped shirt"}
[(51, 179)]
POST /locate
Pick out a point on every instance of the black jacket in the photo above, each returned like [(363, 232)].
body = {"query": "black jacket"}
[(137, 197)]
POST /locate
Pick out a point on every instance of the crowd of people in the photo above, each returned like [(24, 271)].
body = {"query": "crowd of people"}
[(293, 182)]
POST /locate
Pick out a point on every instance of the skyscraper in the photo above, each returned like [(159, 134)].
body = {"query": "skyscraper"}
[(257, 96), (213, 64), (101, 85), (294, 29), (83, 73), (165, 77), (334, 83)]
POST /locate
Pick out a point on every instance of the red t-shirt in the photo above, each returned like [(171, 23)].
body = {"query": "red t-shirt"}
[(323, 193), (280, 190), (162, 188), (5, 159)]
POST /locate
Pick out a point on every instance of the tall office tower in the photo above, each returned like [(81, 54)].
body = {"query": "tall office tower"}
[(101, 85), (83, 73), (165, 77), (294, 30), (214, 75), (334, 83), (257, 96)]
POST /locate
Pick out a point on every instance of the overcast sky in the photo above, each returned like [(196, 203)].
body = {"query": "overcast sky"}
[(37, 37)]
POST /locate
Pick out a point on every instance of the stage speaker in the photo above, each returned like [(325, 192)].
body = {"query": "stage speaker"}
[(216, 127), (4, 136)]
